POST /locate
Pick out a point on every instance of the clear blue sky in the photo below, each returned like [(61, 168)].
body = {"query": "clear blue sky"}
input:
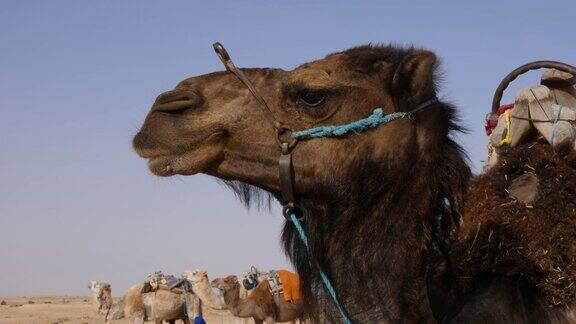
[(77, 78)]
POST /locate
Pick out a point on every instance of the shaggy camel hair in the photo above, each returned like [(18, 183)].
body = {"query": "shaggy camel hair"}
[(158, 306), (261, 305), (386, 210), (530, 242)]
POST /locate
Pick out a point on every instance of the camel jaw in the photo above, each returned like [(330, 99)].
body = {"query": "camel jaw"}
[(199, 158)]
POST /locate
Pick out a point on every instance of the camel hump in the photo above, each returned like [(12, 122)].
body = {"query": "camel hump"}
[(291, 285)]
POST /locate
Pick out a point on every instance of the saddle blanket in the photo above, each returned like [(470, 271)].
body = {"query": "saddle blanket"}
[(290, 284)]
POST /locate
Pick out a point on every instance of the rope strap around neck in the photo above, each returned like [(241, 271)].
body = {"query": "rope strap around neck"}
[(377, 118), (325, 280)]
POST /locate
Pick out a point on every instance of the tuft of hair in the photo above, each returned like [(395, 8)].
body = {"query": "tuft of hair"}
[(249, 195), (363, 58)]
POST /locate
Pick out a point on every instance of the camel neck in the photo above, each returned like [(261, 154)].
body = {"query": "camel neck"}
[(232, 298), (373, 248), (117, 309), (370, 227), (204, 290), (109, 307)]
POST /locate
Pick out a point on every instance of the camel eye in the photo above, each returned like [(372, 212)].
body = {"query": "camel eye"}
[(312, 98)]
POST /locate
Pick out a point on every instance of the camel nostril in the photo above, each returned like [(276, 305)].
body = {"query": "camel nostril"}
[(177, 102)]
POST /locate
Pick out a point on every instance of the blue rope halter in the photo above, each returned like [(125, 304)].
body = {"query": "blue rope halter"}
[(325, 281), (377, 118)]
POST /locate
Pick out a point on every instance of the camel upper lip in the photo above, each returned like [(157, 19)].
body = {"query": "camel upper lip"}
[(155, 153)]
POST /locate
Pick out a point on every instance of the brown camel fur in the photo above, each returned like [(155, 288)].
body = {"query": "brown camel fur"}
[(158, 306), (531, 244), (261, 305), (379, 207)]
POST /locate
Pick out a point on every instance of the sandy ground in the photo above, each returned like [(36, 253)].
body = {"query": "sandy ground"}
[(73, 310)]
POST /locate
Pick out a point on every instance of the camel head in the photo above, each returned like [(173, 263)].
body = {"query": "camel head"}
[(92, 285), (226, 284), (211, 124), (357, 192), (196, 276)]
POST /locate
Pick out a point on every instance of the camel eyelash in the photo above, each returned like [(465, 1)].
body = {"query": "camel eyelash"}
[(295, 92)]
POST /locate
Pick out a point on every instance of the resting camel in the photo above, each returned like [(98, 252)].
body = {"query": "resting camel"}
[(261, 305), (158, 306), (382, 207)]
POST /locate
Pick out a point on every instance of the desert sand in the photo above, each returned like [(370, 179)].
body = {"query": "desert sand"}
[(66, 309)]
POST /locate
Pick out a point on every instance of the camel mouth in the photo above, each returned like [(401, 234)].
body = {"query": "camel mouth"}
[(162, 165), (198, 158)]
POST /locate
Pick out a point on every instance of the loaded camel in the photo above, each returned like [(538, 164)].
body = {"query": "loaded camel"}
[(204, 289), (158, 306), (261, 305), (377, 206)]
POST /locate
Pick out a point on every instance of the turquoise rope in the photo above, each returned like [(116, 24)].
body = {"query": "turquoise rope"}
[(377, 118), (325, 280)]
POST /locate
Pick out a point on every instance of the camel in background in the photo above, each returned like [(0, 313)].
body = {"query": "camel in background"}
[(202, 288), (158, 306), (260, 305)]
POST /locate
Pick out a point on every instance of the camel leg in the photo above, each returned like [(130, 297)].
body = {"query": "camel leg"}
[(258, 321), (139, 320), (186, 321)]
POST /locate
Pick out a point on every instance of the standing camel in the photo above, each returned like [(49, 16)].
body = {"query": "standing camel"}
[(261, 305), (370, 202), (158, 306), (202, 288)]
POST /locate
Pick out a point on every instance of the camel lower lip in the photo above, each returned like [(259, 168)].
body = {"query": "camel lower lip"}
[(190, 162), (162, 166)]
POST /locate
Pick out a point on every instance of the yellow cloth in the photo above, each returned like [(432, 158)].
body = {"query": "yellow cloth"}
[(291, 285), (508, 139)]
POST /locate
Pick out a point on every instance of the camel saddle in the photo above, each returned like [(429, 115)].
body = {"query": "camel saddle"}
[(250, 278), (159, 280), (279, 282), (286, 282), (521, 222), (547, 111)]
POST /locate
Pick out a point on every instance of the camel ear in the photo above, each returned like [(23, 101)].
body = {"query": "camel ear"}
[(413, 80)]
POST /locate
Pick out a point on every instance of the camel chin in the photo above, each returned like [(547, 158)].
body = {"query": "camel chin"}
[(198, 160)]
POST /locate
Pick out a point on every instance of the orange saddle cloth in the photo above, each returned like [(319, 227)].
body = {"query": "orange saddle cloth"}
[(291, 285)]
